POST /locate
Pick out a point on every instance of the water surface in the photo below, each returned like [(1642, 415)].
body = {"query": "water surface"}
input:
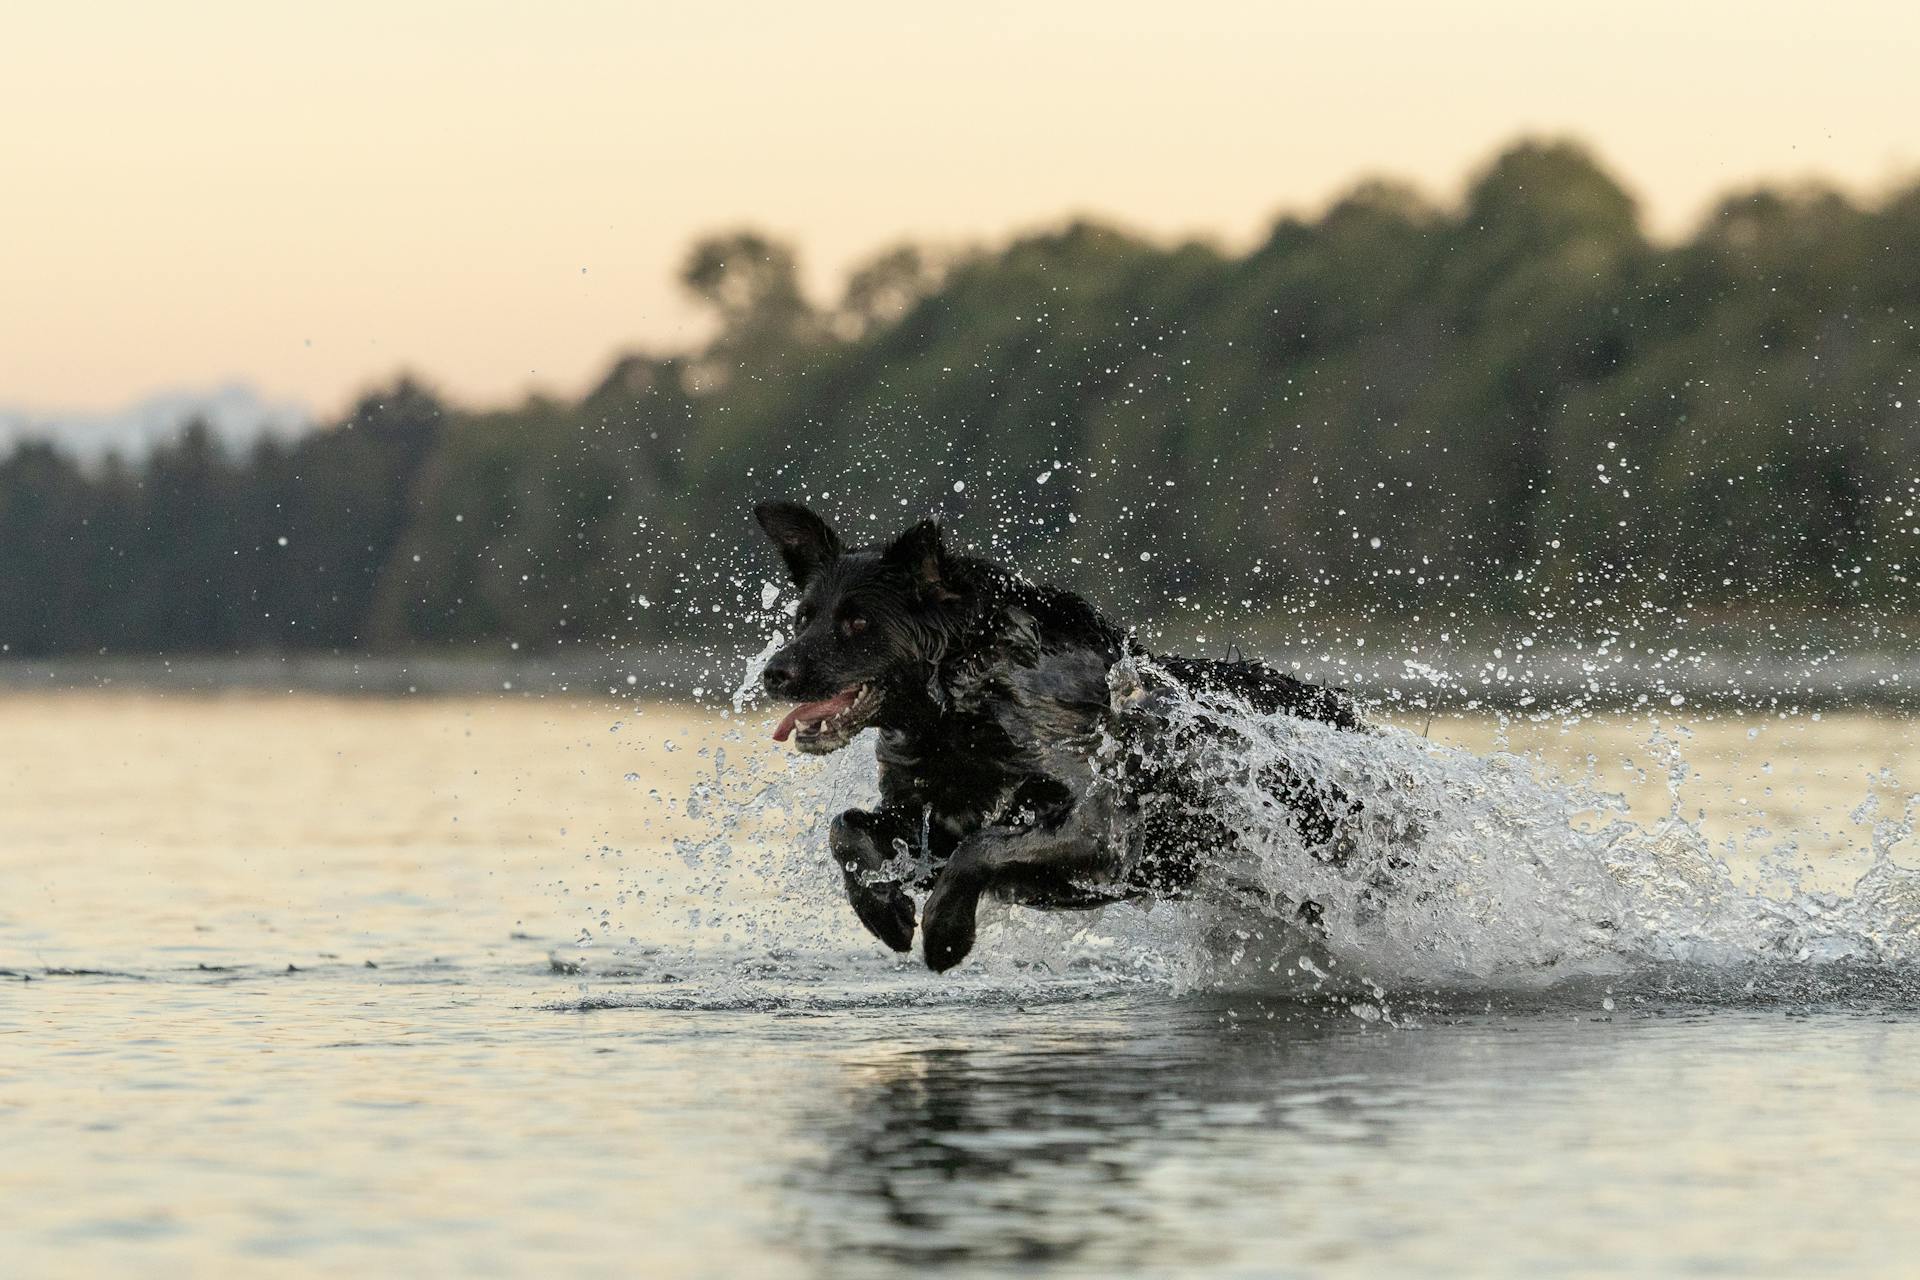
[(315, 986)]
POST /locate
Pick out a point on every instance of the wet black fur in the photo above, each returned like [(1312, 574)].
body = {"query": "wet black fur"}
[(1013, 759)]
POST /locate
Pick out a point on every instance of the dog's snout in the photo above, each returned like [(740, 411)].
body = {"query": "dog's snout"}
[(780, 675)]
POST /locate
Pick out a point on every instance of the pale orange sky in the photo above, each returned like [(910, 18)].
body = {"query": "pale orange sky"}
[(310, 198)]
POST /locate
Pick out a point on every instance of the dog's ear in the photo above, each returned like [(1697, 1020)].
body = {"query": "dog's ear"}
[(922, 554), (805, 541)]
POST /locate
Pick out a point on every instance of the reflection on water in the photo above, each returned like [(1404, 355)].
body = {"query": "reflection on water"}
[(1242, 1139), (1078, 1148), (278, 998)]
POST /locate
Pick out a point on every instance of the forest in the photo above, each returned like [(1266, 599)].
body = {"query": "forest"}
[(1518, 404)]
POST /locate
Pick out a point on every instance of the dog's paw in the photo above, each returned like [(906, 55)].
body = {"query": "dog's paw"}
[(946, 953), (887, 912), (947, 924)]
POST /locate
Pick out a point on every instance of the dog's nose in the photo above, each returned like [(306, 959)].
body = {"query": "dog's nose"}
[(779, 676)]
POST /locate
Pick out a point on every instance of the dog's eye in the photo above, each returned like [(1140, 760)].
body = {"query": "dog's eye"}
[(804, 616), (854, 626)]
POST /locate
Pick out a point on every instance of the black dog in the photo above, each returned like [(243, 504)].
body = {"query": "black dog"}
[(1020, 751)]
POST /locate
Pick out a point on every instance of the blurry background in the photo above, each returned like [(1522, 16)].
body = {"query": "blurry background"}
[(433, 328)]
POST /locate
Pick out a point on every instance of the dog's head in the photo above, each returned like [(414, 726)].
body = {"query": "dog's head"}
[(867, 633)]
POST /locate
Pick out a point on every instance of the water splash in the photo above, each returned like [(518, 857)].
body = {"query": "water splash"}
[(1461, 872), (1464, 870)]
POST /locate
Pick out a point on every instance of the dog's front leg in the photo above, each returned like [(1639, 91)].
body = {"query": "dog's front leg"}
[(1000, 856), (862, 844)]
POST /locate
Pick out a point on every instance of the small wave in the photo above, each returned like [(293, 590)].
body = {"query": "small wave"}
[(823, 981)]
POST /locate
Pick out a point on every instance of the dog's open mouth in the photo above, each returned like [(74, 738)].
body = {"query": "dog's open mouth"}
[(828, 725)]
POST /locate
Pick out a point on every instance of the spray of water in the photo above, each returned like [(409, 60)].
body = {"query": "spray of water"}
[(1456, 873), (1462, 870)]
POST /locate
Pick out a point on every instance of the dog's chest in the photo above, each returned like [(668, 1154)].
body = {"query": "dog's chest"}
[(1050, 709), (1015, 746)]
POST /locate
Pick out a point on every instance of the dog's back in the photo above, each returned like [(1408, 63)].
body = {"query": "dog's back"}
[(1169, 768), (1266, 690)]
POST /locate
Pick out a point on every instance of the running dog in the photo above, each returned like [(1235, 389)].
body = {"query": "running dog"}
[(1023, 747)]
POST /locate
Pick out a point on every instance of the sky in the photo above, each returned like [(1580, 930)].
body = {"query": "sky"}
[(497, 197)]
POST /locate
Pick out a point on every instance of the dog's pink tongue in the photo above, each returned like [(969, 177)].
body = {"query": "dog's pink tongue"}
[(814, 711)]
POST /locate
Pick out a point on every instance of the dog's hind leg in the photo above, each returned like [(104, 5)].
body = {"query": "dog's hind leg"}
[(862, 844), (1041, 866)]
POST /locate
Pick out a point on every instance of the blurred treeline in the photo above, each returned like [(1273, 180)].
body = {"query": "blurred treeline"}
[(1516, 405)]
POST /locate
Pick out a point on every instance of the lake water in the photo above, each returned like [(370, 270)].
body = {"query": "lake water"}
[(299, 986)]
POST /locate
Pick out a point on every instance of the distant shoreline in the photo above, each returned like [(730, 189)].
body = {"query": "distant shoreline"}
[(1551, 681)]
